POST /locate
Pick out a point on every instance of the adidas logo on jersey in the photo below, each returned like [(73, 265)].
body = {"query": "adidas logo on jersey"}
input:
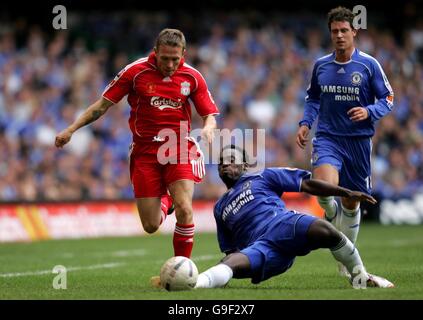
[(341, 70), (167, 79)]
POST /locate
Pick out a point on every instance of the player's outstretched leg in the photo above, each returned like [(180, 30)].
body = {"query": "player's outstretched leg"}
[(214, 277), (346, 253), (234, 265), (322, 234), (333, 215)]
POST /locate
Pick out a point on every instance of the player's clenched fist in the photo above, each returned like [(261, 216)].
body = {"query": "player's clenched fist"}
[(62, 138), (358, 114)]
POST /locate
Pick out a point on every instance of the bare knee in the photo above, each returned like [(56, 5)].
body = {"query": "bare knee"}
[(150, 213), (183, 211), (150, 227), (326, 172), (182, 192), (322, 234), (239, 263)]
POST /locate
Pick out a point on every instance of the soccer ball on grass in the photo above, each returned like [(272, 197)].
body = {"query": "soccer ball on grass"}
[(178, 273)]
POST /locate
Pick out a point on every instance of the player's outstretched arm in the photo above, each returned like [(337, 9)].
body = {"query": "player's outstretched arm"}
[(93, 112), (321, 188)]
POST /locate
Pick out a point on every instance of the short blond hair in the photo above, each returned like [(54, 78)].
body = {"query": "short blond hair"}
[(170, 37)]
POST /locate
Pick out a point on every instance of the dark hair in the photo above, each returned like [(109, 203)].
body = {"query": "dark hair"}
[(234, 147), (341, 14), (171, 37)]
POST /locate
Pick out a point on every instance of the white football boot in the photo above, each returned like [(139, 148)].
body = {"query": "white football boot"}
[(378, 282)]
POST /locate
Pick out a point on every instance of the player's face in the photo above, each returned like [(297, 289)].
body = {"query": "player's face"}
[(342, 35), (231, 166), (168, 59)]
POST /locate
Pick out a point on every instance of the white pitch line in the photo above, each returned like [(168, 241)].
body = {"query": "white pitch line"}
[(207, 257), (117, 254), (197, 258), (128, 253), (42, 272), (122, 253)]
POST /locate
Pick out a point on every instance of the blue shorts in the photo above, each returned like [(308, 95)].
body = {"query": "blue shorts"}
[(275, 251), (349, 155)]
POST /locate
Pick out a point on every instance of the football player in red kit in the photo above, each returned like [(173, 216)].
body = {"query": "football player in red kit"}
[(161, 89)]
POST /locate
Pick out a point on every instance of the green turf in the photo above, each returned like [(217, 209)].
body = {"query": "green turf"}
[(395, 252)]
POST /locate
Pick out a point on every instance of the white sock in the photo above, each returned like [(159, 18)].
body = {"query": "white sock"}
[(346, 253), (215, 277), (330, 206), (349, 222)]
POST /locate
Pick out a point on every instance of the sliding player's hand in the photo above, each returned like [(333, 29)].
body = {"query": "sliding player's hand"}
[(360, 196)]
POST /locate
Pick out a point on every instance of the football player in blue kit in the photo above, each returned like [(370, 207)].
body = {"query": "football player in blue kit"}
[(348, 93), (261, 237)]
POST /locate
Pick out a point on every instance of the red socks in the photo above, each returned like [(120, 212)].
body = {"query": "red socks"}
[(166, 201), (183, 239)]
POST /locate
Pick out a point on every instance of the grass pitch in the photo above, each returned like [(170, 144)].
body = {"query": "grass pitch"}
[(120, 268)]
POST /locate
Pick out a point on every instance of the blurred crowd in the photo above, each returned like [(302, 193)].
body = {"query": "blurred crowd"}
[(257, 68)]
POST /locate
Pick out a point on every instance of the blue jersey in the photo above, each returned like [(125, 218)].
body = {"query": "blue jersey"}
[(246, 210), (337, 87)]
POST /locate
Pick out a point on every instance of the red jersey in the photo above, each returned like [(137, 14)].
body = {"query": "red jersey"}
[(159, 102)]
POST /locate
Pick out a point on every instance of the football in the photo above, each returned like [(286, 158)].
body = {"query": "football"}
[(178, 273)]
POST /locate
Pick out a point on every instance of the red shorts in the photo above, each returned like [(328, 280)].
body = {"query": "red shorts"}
[(150, 178)]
